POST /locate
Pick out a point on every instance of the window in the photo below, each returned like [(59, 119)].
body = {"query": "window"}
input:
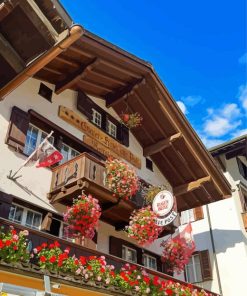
[(97, 118), (150, 262), (187, 216), (63, 233), (25, 216), (129, 254), (111, 129), (149, 164), (34, 137), (243, 198), (193, 270), (68, 153), (242, 168)]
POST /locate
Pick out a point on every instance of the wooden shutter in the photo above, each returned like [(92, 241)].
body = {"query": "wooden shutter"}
[(85, 105), (205, 265), (138, 199), (46, 223), (124, 135), (17, 131), (198, 213), (5, 204), (115, 246)]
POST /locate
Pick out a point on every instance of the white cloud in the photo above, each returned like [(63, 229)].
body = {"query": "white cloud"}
[(243, 96), (222, 121), (182, 107), (240, 132), (191, 100), (210, 142), (243, 59)]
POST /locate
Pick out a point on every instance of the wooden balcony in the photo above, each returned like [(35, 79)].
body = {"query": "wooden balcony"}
[(87, 173), (38, 237), (244, 217)]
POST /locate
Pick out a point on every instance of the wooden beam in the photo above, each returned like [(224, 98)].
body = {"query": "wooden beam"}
[(10, 55), (73, 78), (6, 7), (161, 145), (185, 188), (119, 95)]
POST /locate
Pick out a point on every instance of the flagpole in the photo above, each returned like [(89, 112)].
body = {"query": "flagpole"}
[(30, 156)]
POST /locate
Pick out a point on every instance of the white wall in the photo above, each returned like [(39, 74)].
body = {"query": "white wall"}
[(37, 181), (229, 236)]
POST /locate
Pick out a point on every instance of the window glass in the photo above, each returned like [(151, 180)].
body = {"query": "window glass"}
[(74, 153), (150, 262), (97, 118), (111, 129), (65, 153), (31, 140), (44, 135), (193, 270), (33, 219), (16, 213), (129, 254)]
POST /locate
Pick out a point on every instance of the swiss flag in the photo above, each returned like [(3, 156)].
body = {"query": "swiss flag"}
[(51, 159)]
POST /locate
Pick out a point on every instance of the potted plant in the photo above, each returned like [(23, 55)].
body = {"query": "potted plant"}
[(131, 120), (142, 226), (14, 246), (83, 216), (121, 179), (176, 254)]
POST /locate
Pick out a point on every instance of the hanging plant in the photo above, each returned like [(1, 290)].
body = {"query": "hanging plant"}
[(83, 216), (131, 120), (150, 192), (121, 178), (176, 254), (142, 226)]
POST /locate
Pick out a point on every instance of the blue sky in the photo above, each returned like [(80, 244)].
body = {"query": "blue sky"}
[(198, 48)]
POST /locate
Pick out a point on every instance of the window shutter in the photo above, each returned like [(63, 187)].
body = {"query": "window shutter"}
[(5, 204), (205, 265), (18, 127), (103, 120), (198, 213), (85, 105), (125, 135), (115, 246), (138, 199), (46, 223)]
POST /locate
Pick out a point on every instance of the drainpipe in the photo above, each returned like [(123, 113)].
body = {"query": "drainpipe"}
[(214, 252), (74, 33)]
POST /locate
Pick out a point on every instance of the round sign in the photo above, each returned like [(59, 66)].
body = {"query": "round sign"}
[(163, 203)]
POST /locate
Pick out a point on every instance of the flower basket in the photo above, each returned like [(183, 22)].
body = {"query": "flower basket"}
[(176, 254), (131, 120), (142, 226), (121, 179), (83, 216)]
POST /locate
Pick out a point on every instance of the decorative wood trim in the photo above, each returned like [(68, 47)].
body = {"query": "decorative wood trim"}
[(182, 189), (73, 78), (119, 95), (161, 145), (6, 7)]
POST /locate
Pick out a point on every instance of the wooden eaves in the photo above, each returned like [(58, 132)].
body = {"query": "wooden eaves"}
[(103, 70)]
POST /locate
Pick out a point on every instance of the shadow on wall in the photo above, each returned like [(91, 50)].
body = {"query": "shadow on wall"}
[(223, 239)]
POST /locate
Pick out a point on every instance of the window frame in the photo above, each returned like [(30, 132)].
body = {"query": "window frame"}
[(109, 126), (24, 216), (150, 257), (39, 138), (94, 117), (131, 249), (187, 216), (69, 153), (195, 275)]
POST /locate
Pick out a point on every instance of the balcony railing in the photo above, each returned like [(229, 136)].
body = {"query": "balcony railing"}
[(244, 217), (38, 237)]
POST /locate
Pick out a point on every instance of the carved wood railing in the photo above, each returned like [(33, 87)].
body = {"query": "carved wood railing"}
[(244, 217)]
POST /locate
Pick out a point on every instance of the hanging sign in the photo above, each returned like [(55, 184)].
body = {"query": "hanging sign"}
[(164, 205)]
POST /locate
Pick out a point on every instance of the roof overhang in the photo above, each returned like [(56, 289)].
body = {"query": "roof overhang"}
[(101, 69)]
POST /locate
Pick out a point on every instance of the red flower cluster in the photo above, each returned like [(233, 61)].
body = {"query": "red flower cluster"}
[(121, 178), (83, 216), (176, 254), (142, 226), (14, 246)]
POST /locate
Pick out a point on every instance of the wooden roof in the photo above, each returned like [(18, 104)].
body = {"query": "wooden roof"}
[(101, 69)]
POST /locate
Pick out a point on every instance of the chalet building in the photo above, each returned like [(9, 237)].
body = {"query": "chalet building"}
[(56, 76), (220, 228)]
